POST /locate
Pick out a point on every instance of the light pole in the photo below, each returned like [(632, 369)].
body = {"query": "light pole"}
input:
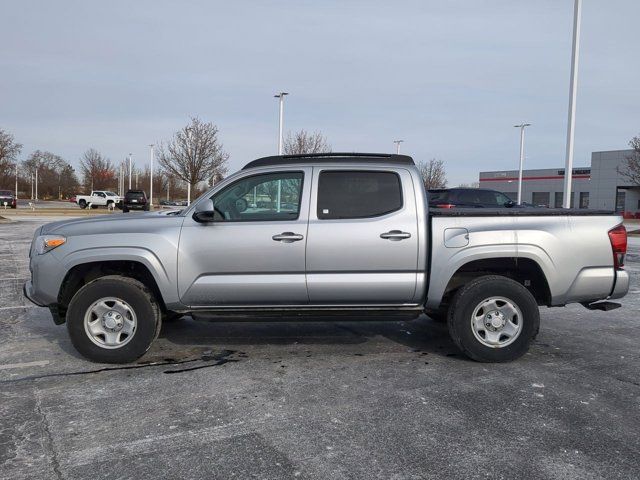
[(573, 86), (280, 96), (521, 127), (188, 129), (36, 199), (130, 171), (151, 176), (398, 142), (16, 180)]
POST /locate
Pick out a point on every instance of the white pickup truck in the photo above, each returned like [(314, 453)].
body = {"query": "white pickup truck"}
[(98, 198)]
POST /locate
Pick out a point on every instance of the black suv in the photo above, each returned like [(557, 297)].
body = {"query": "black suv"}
[(7, 196), (135, 200), (469, 198)]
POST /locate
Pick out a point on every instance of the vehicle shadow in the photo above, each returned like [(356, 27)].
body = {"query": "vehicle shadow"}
[(421, 335)]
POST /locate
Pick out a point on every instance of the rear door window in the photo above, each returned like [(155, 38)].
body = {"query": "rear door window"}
[(346, 194)]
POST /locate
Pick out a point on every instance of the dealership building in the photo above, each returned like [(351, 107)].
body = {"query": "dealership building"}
[(599, 186)]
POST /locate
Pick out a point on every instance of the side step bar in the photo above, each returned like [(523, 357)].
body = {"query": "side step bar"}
[(604, 306)]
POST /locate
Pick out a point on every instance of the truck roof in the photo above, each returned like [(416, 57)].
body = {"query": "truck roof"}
[(313, 158)]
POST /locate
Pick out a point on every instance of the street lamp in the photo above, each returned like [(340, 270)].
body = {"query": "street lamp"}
[(398, 142), (151, 176), (521, 127), (130, 170), (280, 96), (571, 123), (189, 164)]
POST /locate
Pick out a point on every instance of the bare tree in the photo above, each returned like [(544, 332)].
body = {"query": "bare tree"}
[(56, 178), (304, 142), (194, 154), (97, 171), (630, 168), (433, 173), (9, 151)]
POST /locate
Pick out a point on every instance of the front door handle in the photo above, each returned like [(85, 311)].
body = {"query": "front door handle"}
[(395, 235), (287, 237)]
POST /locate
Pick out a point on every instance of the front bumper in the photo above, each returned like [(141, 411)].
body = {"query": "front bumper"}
[(27, 289)]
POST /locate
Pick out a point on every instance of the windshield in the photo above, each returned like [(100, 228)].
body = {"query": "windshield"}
[(111, 194)]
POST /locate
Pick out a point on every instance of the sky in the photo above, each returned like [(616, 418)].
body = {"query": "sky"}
[(450, 78)]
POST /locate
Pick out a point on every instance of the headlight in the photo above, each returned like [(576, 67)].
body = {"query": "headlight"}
[(45, 243)]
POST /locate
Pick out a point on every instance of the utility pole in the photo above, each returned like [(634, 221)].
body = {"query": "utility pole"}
[(521, 127), (130, 171), (36, 182), (573, 86), (151, 176), (16, 181), (398, 142), (280, 96)]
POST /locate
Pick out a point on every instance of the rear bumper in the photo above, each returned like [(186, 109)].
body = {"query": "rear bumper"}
[(621, 285)]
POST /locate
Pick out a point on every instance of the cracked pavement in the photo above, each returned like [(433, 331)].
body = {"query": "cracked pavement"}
[(313, 399)]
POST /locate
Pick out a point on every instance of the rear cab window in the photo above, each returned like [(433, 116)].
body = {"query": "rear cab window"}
[(344, 194)]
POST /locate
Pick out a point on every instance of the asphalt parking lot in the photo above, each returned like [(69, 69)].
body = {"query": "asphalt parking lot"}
[(312, 399)]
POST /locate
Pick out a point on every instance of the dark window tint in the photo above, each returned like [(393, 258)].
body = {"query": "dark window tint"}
[(438, 196), (345, 194)]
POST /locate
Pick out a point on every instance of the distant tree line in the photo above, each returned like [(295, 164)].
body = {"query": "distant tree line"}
[(193, 156)]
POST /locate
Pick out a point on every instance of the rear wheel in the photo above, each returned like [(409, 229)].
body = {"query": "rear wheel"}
[(113, 319), (125, 209), (493, 319), (82, 204)]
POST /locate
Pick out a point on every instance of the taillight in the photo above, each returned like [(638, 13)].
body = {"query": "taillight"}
[(618, 239), (445, 205)]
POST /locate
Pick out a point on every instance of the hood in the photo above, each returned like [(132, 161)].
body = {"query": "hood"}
[(115, 223)]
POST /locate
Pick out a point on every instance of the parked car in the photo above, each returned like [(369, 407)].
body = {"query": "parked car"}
[(98, 198), (468, 198), (360, 239), (135, 200), (73, 199), (7, 197)]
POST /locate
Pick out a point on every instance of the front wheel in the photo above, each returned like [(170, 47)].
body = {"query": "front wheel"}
[(493, 319), (113, 319)]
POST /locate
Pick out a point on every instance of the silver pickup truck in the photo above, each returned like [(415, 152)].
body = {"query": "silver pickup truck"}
[(328, 233)]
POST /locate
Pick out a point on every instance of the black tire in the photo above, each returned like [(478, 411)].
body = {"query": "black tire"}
[(146, 208), (471, 296), (125, 209), (82, 204), (141, 301)]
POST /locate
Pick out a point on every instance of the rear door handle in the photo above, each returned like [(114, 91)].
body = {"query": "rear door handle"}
[(287, 237), (395, 235)]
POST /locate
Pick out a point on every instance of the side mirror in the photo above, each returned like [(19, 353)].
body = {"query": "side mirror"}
[(206, 213), (510, 204)]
